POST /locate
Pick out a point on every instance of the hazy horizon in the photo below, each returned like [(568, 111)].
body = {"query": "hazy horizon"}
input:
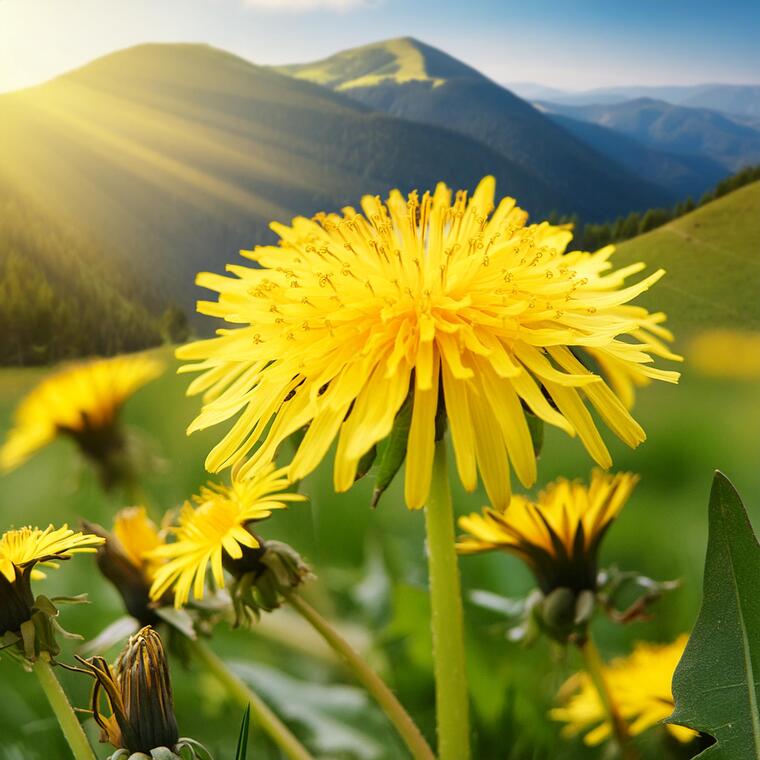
[(682, 44)]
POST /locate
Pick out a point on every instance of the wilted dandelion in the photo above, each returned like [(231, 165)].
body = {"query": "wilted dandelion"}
[(457, 304), (139, 693), (81, 401), (217, 532), (639, 685)]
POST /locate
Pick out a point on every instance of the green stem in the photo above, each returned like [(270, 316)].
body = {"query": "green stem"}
[(595, 668), (67, 719), (375, 685), (244, 696), (452, 706)]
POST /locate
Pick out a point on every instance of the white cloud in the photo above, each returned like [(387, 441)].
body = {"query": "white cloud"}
[(310, 5)]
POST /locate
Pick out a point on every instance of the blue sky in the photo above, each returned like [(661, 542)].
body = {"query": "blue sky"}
[(572, 44)]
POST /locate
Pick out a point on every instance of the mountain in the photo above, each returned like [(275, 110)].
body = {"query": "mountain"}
[(683, 175), (711, 263), (730, 99), (676, 129), (409, 79), (174, 157)]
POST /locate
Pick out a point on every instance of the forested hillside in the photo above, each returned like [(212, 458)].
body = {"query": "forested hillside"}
[(59, 298)]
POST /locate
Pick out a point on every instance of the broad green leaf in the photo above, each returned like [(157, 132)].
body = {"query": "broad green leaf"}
[(242, 745), (716, 684)]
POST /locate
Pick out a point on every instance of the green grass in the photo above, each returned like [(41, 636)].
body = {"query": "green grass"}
[(371, 570), (711, 262)]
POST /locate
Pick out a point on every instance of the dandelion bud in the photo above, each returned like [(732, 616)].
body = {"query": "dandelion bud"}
[(139, 692)]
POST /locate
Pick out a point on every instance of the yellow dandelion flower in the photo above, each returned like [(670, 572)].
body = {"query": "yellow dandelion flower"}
[(27, 546), (640, 686), (557, 535), (20, 551), (456, 303), (217, 531), (81, 400)]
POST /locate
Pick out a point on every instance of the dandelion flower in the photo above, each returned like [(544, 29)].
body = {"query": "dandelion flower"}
[(217, 531), (455, 303), (81, 400), (640, 686), (557, 535), (20, 551)]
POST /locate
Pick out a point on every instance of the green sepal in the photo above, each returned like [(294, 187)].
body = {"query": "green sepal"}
[(365, 463), (393, 451), (279, 569)]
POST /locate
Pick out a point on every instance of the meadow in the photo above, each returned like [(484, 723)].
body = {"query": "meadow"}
[(371, 576)]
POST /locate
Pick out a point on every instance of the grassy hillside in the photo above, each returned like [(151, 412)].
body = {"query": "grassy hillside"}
[(407, 78), (178, 156), (677, 129), (711, 258)]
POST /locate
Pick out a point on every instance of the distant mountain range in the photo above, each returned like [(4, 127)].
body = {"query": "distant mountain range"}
[(676, 129), (409, 79), (164, 160), (734, 99)]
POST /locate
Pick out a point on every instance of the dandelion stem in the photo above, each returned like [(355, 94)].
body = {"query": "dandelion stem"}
[(375, 685), (595, 668), (452, 707), (261, 714), (67, 719)]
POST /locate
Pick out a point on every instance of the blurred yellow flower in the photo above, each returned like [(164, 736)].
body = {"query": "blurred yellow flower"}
[(726, 353), (454, 302), (81, 400), (138, 535), (640, 687), (125, 559), (557, 535), (218, 531)]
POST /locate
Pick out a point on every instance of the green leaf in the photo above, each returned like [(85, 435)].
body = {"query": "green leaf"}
[(394, 451), (715, 685), (242, 745)]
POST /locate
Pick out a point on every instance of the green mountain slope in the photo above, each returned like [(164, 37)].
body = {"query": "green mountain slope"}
[(178, 156), (406, 78), (59, 299), (711, 262)]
